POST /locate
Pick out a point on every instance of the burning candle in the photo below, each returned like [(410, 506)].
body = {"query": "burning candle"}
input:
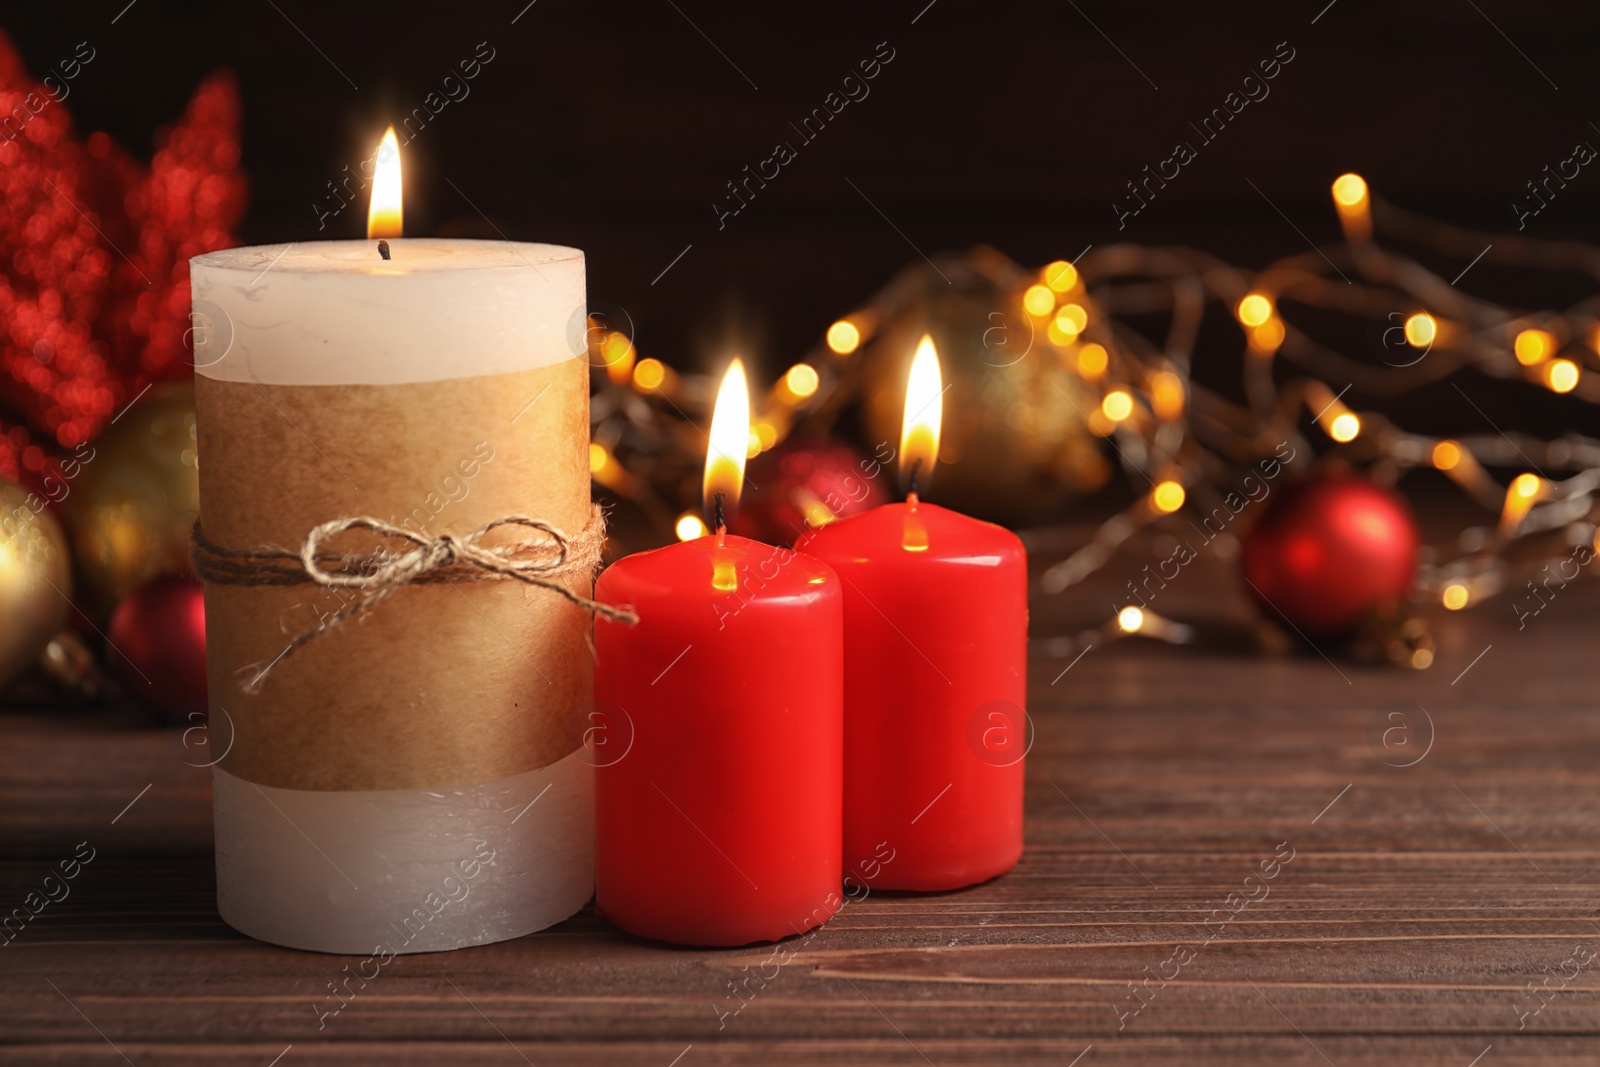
[(935, 626), (718, 812), (378, 788)]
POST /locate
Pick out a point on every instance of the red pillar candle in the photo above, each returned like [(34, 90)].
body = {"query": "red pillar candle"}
[(935, 626), (718, 804)]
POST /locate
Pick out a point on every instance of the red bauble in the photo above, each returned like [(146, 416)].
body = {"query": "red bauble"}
[(1328, 550), (158, 643), (803, 480)]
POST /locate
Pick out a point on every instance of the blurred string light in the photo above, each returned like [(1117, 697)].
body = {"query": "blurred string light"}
[(1117, 405), (1533, 347), (1167, 497), (801, 380), (1561, 375), (1039, 300), (649, 418), (1421, 329), (1254, 309), (1060, 276), (1092, 361), (843, 337), (649, 374)]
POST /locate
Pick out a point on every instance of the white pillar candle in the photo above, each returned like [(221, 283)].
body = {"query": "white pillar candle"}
[(439, 389)]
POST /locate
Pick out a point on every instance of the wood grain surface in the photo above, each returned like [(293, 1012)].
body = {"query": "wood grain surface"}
[(1420, 903)]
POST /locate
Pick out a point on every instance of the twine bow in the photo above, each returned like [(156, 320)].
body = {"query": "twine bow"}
[(447, 558)]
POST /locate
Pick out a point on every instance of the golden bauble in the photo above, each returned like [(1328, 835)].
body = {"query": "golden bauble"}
[(1015, 446), (35, 579), (132, 507)]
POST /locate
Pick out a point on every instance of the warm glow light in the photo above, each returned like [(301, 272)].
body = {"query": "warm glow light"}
[(1068, 324), (1092, 361), (384, 211), (1268, 336), (1523, 491), (1167, 497), (913, 532), (924, 412), (690, 527), (801, 380), (1130, 619), (617, 352), (1533, 346), (766, 433), (1117, 405), (1344, 427), (598, 458), (1446, 454), (1421, 329), (1455, 596), (729, 440), (649, 374), (1349, 190), (1061, 276), (843, 337), (1562, 376), (1166, 395), (1039, 300), (1062, 331), (1254, 309)]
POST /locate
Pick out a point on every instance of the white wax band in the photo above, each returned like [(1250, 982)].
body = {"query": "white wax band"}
[(440, 309), (392, 871)]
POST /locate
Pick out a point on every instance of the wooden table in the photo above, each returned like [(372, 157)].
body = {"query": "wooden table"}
[(1418, 906)]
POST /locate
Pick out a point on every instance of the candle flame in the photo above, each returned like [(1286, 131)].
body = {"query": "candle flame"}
[(384, 213), (729, 443), (919, 432)]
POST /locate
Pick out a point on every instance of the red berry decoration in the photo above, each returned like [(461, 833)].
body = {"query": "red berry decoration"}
[(158, 643), (94, 260), (1329, 550), (806, 481)]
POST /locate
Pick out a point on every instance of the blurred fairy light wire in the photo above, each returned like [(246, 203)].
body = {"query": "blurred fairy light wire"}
[(644, 413)]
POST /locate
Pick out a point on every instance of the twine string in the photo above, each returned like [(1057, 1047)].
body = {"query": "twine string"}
[(543, 561)]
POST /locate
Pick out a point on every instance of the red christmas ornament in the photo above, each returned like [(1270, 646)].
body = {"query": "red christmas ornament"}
[(157, 641), (1329, 550), (94, 259), (804, 481)]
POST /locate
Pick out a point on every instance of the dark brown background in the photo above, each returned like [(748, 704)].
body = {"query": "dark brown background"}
[(612, 127)]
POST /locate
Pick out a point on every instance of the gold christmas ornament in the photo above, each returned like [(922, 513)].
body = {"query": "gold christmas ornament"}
[(132, 504), (1016, 445), (35, 579)]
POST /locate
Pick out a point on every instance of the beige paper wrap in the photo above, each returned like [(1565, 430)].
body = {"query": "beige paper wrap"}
[(442, 684)]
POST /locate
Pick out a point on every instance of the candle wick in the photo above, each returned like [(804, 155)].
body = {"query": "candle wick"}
[(383, 250), (911, 481), (720, 517)]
